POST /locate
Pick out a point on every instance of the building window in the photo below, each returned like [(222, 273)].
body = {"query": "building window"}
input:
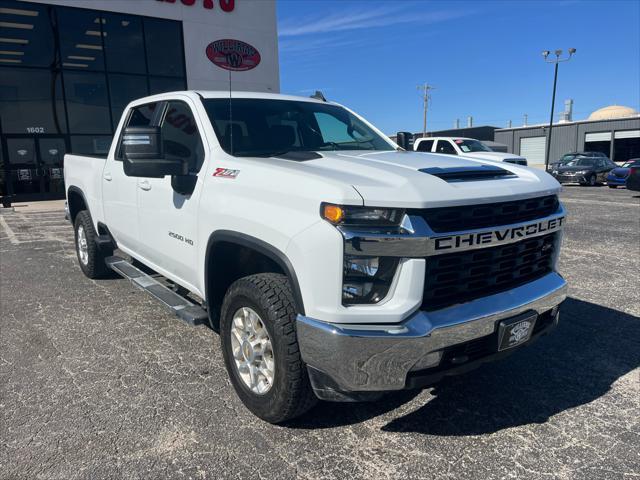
[(123, 89), (165, 53), (162, 85), (27, 37), (124, 44), (81, 34), (91, 144), (87, 102), (31, 102)]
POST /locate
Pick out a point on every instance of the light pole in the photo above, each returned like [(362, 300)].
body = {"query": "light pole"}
[(556, 61)]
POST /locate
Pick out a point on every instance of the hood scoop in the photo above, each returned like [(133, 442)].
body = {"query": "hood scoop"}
[(469, 174)]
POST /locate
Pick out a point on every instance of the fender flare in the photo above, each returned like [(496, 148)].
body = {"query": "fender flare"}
[(74, 189), (261, 247)]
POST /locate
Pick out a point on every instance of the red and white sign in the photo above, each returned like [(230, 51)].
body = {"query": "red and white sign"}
[(234, 55), (225, 5)]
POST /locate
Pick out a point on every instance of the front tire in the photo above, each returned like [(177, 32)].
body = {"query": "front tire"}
[(612, 186), (260, 348), (592, 180), (90, 258)]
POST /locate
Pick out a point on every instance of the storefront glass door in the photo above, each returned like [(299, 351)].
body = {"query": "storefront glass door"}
[(34, 166)]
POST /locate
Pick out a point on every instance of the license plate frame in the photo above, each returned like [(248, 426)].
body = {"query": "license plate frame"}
[(515, 331)]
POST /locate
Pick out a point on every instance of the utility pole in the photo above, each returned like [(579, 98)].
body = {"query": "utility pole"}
[(426, 96)]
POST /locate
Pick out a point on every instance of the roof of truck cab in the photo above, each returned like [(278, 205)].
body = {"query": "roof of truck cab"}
[(444, 138), (223, 94), (261, 95)]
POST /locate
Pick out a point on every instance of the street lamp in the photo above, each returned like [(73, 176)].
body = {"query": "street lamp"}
[(556, 61)]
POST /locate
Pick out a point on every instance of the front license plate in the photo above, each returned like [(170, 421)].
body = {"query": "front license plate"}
[(516, 331)]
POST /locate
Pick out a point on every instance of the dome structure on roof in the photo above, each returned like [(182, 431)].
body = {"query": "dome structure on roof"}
[(613, 111)]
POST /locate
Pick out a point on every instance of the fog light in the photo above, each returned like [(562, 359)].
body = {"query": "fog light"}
[(367, 279), (363, 266)]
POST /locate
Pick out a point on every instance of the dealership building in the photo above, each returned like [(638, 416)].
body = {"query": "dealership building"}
[(612, 130), (68, 68)]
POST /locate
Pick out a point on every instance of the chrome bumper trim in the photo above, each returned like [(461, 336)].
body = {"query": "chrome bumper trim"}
[(421, 241), (378, 357)]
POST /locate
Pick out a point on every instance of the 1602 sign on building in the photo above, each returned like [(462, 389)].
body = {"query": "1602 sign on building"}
[(225, 5)]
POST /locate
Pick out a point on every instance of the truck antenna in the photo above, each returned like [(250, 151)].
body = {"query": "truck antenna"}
[(230, 117), (319, 96)]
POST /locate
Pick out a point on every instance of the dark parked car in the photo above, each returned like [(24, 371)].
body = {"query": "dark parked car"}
[(633, 180), (618, 176), (584, 170), (568, 157)]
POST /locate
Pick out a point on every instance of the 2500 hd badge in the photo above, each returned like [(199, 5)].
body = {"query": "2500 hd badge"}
[(473, 240)]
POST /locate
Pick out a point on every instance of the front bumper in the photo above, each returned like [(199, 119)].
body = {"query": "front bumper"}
[(571, 178), (613, 180), (377, 358)]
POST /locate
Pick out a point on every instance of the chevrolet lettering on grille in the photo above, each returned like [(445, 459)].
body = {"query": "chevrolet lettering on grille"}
[(498, 236)]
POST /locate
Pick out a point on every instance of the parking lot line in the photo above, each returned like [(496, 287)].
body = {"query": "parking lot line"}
[(10, 234), (599, 202)]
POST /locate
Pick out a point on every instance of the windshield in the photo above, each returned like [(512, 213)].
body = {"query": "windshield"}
[(471, 146), (252, 127), (582, 162)]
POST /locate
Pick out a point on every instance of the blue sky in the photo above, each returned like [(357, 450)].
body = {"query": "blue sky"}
[(483, 57)]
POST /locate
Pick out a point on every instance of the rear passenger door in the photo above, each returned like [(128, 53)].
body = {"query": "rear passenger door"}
[(168, 219), (119, 192)]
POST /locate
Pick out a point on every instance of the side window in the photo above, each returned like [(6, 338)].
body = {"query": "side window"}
[(444, 146), (141, 116), (425, 146), (180, 136)]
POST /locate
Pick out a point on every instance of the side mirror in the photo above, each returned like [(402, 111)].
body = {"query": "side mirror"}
[(143, 155), (403, 139)]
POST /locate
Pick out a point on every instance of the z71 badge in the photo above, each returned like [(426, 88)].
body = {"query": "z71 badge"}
[(226, 173)]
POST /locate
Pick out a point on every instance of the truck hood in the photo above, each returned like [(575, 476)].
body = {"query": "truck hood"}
[(398, 179), (499, 156)]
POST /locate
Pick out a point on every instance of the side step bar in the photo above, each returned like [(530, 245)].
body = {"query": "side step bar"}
[(189, 312)]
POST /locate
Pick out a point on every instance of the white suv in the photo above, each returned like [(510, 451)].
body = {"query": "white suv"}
[(467, 147)]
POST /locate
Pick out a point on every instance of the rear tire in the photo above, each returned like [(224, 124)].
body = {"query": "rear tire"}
[(90, 258), (265, 301)]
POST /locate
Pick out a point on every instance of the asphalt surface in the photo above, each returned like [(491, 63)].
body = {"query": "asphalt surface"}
[(98, 381)]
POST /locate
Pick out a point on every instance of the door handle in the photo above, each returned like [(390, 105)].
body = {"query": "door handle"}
[(107, 176), (145, 185)]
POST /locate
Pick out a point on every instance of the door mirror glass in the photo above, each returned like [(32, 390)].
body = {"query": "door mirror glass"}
[(144, 157)]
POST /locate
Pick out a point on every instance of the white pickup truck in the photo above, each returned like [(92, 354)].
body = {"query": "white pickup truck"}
[(467, 147), (333, 263)]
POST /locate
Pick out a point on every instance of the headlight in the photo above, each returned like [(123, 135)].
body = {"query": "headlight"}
[(582, 172), (367, 279), (361, 216)]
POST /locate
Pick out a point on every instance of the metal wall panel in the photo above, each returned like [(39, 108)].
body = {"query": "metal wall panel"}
[(565, 138)]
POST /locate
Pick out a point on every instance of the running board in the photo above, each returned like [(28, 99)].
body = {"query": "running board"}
[(189, 312)]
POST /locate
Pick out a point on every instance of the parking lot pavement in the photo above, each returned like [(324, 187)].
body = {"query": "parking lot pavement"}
[(99, 381)]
